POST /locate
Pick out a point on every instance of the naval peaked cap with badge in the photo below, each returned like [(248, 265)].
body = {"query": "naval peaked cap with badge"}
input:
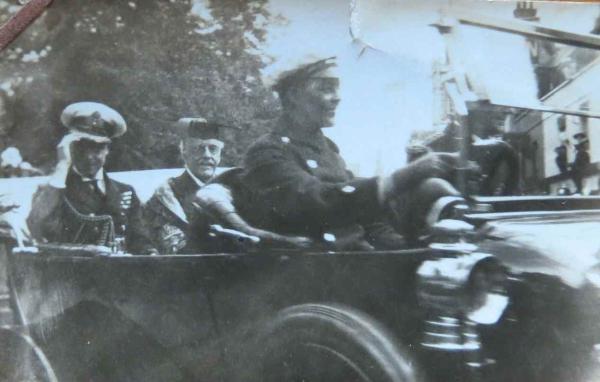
[(93, 120)]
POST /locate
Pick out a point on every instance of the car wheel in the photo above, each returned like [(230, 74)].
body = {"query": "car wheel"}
[(317, 342)]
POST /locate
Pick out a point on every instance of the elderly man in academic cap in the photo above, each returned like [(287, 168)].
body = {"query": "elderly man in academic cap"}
[(172, 214), (300, 184), (81, 204)]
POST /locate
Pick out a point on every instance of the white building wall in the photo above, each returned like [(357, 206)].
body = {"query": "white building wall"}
[(582, 91)]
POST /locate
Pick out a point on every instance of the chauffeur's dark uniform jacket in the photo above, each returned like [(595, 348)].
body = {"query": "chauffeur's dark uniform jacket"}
[(300, 185), (81, 214)]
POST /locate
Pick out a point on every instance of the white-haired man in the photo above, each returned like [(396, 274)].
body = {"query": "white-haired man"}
[(171, 213)]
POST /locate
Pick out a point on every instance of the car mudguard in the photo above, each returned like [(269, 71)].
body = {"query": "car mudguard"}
[(330, 343)]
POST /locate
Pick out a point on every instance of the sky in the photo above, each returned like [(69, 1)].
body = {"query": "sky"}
[(386, 91)]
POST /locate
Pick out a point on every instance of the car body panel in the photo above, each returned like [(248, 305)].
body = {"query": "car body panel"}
[(564, 244), (195, 316), (193, 305)]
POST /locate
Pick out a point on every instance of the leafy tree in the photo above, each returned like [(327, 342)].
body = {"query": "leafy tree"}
[(154, 61)]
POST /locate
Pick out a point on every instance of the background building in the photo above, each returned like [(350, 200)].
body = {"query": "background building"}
[(557, 152), (549, 159), (561, 153)]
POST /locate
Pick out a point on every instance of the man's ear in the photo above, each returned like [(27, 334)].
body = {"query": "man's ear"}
[(290, 98), (73, 148)]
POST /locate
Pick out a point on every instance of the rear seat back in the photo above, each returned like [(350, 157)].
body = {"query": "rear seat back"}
[(19, 191)]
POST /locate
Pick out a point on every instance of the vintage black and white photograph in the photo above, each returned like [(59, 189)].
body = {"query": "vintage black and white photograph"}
[(283, 190)]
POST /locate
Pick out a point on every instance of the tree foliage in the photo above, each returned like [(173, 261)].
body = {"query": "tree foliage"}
[(154, 61)]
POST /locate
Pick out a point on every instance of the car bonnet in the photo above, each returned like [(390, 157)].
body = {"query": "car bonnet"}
[(563, 244)]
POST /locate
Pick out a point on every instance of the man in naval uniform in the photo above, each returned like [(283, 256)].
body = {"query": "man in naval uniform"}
[(81, 204), (175, 220), (300, 185)]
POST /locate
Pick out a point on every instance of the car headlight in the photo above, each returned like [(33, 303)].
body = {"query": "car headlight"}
[(458, 293), (472, 284), (486, 297)]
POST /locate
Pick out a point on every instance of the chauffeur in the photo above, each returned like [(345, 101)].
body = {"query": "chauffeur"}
[(299, 181), (81, 204), (172, 215)]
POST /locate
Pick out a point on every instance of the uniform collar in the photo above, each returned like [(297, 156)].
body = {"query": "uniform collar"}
[(98, 178), (99, 175), (288, 129), (194, 178)]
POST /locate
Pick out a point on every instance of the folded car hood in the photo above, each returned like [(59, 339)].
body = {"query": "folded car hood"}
[(562, 244)]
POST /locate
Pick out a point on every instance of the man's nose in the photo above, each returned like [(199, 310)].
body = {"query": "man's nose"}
[(206, 152), (334, 99)]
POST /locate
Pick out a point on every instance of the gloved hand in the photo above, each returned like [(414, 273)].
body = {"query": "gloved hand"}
[(432, 165)]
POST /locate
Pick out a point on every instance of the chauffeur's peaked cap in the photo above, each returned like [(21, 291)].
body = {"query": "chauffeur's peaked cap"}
[(303, 72), (94, 120)]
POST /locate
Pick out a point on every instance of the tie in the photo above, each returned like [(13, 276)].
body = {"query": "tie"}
[(93, 183)]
